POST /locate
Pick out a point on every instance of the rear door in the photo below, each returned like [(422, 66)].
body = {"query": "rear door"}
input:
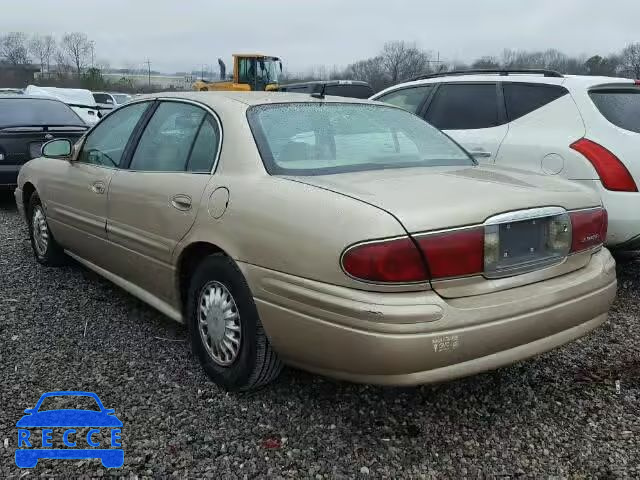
[(154, 201), (473, 114)]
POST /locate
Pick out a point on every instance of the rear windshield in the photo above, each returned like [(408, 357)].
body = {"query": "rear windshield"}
[(26, 112), (329, 138), (621, 107), (353, 91)]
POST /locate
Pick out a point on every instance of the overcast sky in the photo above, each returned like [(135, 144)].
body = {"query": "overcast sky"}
[(184, 34)]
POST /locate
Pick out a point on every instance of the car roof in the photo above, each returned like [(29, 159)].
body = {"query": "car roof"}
[(328, 83), (569, 81), (30, 97), (254, 98)]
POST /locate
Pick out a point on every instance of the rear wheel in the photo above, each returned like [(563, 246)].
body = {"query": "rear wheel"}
[(45, 248), (226, 333)]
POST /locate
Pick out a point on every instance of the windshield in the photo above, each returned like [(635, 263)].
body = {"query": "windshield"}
[(271, 70), (328, 138), (120, 99), (31, 112), (258, 73), (621, 107)]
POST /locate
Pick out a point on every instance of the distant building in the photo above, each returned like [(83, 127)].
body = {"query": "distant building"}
[(17, 76), (175, 82)]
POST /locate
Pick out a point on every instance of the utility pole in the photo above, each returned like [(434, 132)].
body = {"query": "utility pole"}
[(148, 62), (93, 53)]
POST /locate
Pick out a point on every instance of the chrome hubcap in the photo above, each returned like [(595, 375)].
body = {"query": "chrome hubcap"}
[(40, 231), (219, 323)]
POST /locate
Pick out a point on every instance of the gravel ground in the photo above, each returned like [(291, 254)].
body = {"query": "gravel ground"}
[(66, 329)]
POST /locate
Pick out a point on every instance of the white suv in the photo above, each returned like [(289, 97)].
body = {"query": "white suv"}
[(586, 129)]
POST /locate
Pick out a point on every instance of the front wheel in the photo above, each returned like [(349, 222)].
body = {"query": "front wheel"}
[(45, 248), (226, 333)]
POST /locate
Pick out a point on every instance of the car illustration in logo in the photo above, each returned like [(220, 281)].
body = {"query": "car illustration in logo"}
[(31, 448)]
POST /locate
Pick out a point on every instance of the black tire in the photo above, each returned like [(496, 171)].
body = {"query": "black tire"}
[(256, 364), (52, 255)]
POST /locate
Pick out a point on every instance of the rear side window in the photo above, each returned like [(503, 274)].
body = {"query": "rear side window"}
[(204, 148), (352, 91), (408, 98), (521, 99), (464, 106), (102, 98), (166, 142), (621, 107)]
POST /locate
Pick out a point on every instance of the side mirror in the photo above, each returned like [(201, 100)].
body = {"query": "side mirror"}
[(109, 411), (30, 410), (59, 148)]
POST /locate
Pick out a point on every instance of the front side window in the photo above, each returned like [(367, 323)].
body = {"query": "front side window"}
[(464, 106), (329, 138), (106, 143), (620, 106), (166, 142), (408, 98)]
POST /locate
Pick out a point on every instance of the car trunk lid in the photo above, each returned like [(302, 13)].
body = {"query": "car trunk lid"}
[(429, 201), (20, 144)]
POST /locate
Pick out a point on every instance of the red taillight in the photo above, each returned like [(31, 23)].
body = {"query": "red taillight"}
[(637, 82), (454, 254), (611, 170), (389, 261), (589, 229), (448, 254)]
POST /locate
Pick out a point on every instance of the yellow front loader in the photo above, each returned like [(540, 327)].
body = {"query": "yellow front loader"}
[(251, 72)]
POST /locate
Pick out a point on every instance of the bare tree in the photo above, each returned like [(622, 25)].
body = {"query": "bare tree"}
[(62, 63), (43, 48), (631, 59), (13, 47), (77, 48), (486, 63), (402, 60), (370, 71)]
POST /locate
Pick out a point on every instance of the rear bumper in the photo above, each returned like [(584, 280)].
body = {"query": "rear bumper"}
[(414, 338), (9, 175)]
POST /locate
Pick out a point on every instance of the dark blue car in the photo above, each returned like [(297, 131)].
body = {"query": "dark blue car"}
[(69, 418)]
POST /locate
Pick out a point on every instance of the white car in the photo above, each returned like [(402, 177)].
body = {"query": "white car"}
[(81, 101), (586, 129), (108, 101)]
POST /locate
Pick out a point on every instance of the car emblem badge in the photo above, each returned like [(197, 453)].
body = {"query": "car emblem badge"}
[(48, 136)]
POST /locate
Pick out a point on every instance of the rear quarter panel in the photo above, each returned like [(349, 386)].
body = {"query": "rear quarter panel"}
[(284, 225)]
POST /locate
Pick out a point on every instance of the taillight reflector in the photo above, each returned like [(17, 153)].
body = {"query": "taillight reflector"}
[(612, 172), (389, 261), (589, 229), (454, 254)]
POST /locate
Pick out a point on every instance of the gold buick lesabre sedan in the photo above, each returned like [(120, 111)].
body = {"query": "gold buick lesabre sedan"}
[(345, 237)]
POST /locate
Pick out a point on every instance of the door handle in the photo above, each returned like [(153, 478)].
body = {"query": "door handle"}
[(480, 154), (98, 187), (181, 202)]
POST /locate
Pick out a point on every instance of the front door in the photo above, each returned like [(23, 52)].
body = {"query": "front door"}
[(77, 191), (154, 202), (471, 114)]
